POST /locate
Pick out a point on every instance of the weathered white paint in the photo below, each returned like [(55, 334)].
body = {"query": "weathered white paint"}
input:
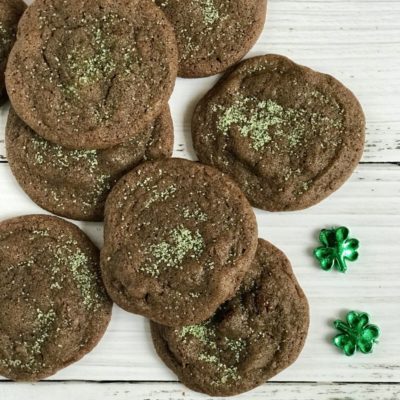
[(175, 391), (369, 204), (358, 41)]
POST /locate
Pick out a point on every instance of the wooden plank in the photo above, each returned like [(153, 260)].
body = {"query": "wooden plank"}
[(175, 391), (368, 204), (357, 41)]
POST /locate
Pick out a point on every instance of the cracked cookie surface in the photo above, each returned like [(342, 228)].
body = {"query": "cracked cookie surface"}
[(288, 135), (75, 183), (53, 305), (212, 35), (250, 338), (91, 74), (179, 237)]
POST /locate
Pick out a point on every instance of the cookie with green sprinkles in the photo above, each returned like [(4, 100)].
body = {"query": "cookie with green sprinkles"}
[(178, 239), (212, 35), (10, 13), (91, 74), (75, 183), (288, 135), (53, 305), (250, 339)]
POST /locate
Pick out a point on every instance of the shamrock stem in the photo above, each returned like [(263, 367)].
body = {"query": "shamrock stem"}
[(342, 266)]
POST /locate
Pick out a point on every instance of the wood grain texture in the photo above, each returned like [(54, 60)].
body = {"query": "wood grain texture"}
[(357, 41), (174, 391), (368, 204)]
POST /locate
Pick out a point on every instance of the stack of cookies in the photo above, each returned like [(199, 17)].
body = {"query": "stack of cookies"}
[(181, 248), (89, 83), (90, 136)]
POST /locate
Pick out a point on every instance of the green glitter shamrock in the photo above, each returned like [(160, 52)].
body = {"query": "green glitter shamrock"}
[(356, 334), (337, 248)]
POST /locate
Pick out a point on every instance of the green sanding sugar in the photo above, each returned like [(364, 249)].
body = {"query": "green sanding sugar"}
[(199, 331), (225, 372), (40, 233), (67, 260), (210, 12), (45, 321), (266, 122), (190, 48), (61, 158), (5, 38), (161, 195), (84, 278), (89, 67), (254, 124), (100, 60), (80, 267), (214, 352), (236, 346), (22, 264), (97, 192), (195, 214), (170, 254), (33, 348)]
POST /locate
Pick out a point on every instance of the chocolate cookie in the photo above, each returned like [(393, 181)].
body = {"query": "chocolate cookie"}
[(75, 183), (213, 34), (90, 74), (179, 237), (10, 13), (289, 136), (250, 339), (53, 305)]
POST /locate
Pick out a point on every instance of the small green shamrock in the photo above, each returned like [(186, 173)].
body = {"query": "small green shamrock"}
[(356, 334), (337, 248)]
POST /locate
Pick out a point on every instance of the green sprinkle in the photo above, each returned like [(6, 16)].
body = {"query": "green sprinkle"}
[(85, 278), (183, 243), (214, 349), (226, 373), (267, 114), (198, 331), (161, 196), (79, 265), (88, 69), (41, 233), (44, 324), (196, 214), (45, 321), (266, 121), (210, 12), (236, 346), (61, 158)]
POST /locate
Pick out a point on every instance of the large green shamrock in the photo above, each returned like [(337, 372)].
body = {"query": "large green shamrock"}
[(356, 334), (337, 248)]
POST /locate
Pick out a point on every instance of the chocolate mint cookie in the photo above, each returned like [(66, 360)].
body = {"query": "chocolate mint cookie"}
[(250, 339), (75, 183), (179, 237), (53, 306), (10, 13), (213, 34), (289, 136), (90, 74)]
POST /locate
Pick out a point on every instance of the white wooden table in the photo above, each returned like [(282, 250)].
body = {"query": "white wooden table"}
[(358, 41)]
